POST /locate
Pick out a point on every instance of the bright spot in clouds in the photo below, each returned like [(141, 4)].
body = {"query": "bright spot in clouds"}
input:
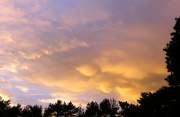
[(87, 70)]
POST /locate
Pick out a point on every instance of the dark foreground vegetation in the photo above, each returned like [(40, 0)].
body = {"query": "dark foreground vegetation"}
[(163, 103)]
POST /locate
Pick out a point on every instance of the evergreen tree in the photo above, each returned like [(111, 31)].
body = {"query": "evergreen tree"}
[(92, 110), (173, 56), (61, 109)]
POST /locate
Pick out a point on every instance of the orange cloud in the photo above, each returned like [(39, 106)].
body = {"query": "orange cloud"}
[(124, 70), (128, 94), (87, 70), (105, 87)]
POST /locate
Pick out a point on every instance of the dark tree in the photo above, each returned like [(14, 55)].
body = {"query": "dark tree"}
[(109, 107), (4, 107), (173, 56), (9, 111), (32, 111), (53, 109), (105, 107), (163, 103), (92, 110), (61, 109), (128, 110), (15, 111), (81, 112), (70, 110)]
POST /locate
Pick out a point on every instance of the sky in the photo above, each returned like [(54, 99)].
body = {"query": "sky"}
[(83, 50)]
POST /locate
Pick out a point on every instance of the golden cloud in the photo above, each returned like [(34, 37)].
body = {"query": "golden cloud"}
[(87, 70), (124, 70), (105, 87), (129, 94)]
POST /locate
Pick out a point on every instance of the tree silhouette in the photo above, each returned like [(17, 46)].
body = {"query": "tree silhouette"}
[(173, 56), (81, 112), (70, 110), (92, 110), (61, 109), (109, 107), (9, 111), (128, 110), (32, 111), (163, 103), (4, 107), (53, 109), (15, 111)]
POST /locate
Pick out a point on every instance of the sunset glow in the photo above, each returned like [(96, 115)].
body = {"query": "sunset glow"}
[(83, 50)]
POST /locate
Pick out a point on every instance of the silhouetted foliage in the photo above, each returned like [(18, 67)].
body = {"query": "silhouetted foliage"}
[(173, 56), (15, 111), (32, 111), (92, 110), (4, 107), (61, 109), (9, 111), (81, 112), (163, 103), (109, 107), (129, 110)]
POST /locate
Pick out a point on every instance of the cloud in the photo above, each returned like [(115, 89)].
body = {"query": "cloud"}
[(128, 94), (83, 50), (10, 14), (53, 100), (60, 46), (87, 70), (105, 87), (6, 38), (23, 89), (125, 70)]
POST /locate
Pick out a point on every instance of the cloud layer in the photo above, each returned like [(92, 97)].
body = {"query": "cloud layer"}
[(82, 50)]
